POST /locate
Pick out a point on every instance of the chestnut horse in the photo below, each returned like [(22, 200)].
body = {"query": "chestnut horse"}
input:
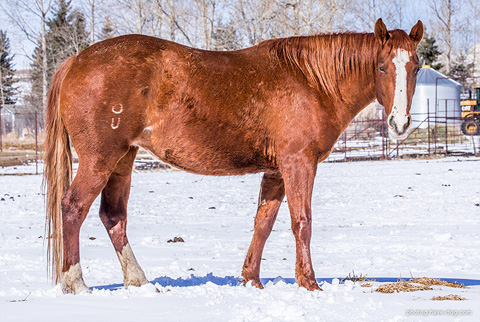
[(277, 108)]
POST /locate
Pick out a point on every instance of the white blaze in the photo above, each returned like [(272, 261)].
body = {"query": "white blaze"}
[(399, 110)]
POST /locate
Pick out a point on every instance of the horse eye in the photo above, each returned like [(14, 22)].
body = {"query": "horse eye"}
[(382, 69)]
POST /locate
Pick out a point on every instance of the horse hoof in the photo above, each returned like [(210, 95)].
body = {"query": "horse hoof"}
[(312, 286), (137, 282), (309, 284), (78, 288), (72, 281), (255, 282)]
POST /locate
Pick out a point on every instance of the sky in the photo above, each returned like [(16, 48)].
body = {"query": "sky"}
[(19, 45)]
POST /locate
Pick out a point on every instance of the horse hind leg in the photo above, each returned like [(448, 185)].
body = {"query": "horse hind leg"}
[(92, 175), (113, 213), (271, 196)]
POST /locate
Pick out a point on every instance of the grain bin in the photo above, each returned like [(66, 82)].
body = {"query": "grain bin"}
[(434, 86)]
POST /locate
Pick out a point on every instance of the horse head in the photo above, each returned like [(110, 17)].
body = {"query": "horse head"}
[(396, 74)]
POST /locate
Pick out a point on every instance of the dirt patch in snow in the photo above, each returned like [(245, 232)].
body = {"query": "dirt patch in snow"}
[(451, 297), (410, 286)]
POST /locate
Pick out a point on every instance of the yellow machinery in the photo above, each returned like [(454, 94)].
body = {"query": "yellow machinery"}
[(471, 114)]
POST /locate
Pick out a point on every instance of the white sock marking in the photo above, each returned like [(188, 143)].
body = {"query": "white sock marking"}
[(132, 272), (72, 280)]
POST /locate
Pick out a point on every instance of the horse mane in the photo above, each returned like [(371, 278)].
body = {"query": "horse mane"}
[(327, 59)]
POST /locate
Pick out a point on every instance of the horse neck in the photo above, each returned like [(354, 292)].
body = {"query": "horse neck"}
[(353, 60), (356, 92), (341, 66)]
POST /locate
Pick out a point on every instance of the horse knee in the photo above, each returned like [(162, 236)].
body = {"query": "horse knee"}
[(302, 226)]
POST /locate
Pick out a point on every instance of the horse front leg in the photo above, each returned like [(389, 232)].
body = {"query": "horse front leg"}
[(299, 185), (271, 196)]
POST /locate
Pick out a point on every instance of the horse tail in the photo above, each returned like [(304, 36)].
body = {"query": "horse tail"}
[(57, 174)]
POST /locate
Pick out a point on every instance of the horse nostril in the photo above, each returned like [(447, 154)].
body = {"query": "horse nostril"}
[(407, 125), (391, 122)]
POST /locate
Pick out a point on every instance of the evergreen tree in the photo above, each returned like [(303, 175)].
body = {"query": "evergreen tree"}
[(36, 75), (429, 52), (108, 30), (80, 38), (66, 36), (225, 37), (6, 71)]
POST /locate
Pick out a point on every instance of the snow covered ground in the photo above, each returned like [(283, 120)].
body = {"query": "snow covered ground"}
[(385, 219)]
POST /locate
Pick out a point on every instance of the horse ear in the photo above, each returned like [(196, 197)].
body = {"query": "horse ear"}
[(381, 32), (417, 32)]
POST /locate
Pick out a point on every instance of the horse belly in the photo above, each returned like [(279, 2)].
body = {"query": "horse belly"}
[(214, 157)]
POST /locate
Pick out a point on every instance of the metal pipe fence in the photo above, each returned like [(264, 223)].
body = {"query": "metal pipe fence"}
[(21, 139), (433, 133)]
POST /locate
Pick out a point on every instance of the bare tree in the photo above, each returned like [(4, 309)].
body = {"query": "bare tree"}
[(256, 18), (19, 12), (91, 6), (475, 49), (291, 17), (132, 14), (324, 17), (206, 9), (398, 16), (171, 12), (364, 13), (303, 17), (445, 12)]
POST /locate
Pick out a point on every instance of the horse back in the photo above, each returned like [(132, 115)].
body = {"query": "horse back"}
[(203, 111)]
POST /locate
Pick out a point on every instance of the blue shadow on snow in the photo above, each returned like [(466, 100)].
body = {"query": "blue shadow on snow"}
[(233, 281)]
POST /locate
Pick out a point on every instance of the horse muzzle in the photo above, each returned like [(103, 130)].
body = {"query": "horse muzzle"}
[(398, 127)]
